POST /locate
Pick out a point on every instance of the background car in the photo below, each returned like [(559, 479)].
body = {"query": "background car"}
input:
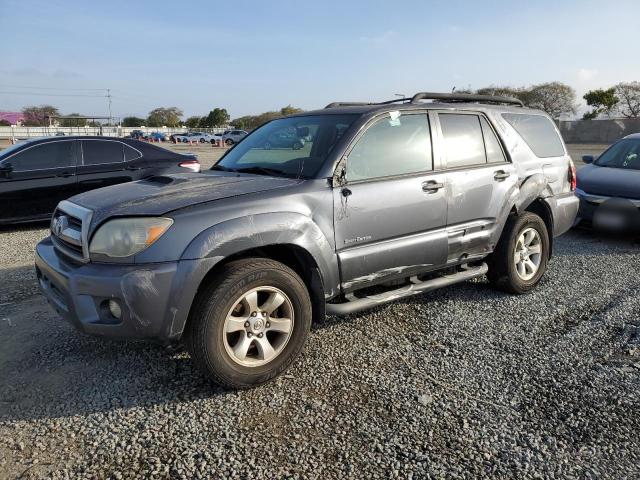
[(284, 140), (609, 187), (37, 174), (196, 137), (233, 136), (153, 136), (137, 134)]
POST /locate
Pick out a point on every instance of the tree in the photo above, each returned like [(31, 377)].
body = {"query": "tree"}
[(132, 122), (504, 91), (73, 122), (217, 117), (4, 123), (164, 117), (249, 122), (603, 102), (38, 116), (289, 110), (193, 122), (555, 98), (629, 95)]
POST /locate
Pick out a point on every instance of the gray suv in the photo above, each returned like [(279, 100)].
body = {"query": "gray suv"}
[(385, 200)]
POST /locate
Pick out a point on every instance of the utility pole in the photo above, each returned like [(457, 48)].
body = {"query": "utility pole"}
[(109, 99)]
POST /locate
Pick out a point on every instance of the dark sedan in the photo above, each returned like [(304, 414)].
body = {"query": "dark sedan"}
[(609, 187), (37, 174)]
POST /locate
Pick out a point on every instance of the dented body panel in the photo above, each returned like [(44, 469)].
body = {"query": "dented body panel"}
[(357, 234)]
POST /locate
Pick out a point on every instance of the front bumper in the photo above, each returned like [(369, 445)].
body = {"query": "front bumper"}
[(154, 298), (592, 205)]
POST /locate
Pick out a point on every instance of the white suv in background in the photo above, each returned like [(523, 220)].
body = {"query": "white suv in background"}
[(233, 136)]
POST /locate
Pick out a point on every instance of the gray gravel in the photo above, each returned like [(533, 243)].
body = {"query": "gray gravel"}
[(462, 382)]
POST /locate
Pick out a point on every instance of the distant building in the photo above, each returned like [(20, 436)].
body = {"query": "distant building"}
[(13, 118)]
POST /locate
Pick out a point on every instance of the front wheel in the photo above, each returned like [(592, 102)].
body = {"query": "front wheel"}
[(249, 323), (521, 256), (202, 140), (229, 142)]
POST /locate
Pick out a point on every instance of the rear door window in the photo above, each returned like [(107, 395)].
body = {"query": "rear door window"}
[(50, 155), (491, 143), (538, 132), (98, 152), (463, 141)]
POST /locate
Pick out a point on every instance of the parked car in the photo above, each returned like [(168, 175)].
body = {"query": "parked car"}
[(233, 136), (137, 134), (37, 174), (157, 136), (196, 137), (609, 187), (284, 140), (404, 196)]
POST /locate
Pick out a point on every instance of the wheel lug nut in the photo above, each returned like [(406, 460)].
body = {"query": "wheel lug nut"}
[(246, 324), (249, 334), (264, 314), (260, 335), (253, 314), (267, 325)]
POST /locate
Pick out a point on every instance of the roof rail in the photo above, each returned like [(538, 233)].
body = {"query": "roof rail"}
[(465, 97), (348, 104)]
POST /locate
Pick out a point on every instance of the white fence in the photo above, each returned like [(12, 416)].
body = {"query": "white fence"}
[(20, 133)]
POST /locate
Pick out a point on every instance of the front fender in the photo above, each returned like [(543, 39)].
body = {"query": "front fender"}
[(261, 230)]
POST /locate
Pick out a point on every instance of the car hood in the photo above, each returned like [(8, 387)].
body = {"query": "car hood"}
[(162, 194), (610, 182)]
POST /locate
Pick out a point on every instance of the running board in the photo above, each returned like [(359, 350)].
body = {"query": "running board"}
[(417, 286)]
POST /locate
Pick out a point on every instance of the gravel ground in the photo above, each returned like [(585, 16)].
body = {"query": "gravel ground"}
[(462, 382)]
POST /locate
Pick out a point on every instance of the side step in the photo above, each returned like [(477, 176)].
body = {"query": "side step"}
[(416, 287)]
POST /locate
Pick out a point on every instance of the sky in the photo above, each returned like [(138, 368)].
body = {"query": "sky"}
[(253, 56)]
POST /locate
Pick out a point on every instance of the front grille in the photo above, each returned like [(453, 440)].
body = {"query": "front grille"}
[(69, 229)]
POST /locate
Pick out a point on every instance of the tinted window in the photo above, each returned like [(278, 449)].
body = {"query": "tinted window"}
[(130, 153), (539, 133), (394, 145), (47, 155), (624, 154), (95, 152), (462, 137), (491, 143)]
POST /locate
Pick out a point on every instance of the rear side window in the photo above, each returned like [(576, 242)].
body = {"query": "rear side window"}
[(96, 152), (130, 153), (538, 132), (463, 143), (491, 143), (394, 145), (44, 156)]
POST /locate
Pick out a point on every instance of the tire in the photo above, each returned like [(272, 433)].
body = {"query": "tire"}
[(519, 277), (202, 140), (213, 349), (228, 141)]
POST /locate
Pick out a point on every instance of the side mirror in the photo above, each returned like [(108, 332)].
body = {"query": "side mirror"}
[(588, 158)]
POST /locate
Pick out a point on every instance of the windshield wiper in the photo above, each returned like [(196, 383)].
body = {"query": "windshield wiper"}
[(262, 171)]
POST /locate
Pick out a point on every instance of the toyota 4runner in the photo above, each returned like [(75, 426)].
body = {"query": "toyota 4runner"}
[(383, 201)]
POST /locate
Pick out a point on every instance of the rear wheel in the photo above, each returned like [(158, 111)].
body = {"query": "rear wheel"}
[(202, 140), (520, 259), (249, 323), (228, 141)]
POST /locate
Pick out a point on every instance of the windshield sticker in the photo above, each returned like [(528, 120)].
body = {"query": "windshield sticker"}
[(394, 121)]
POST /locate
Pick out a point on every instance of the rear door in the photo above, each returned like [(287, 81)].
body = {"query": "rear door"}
[(478, 179), (390, 215), (36, 179), (103, 164)]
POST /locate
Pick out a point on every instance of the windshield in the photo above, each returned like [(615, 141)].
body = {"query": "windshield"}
[(291, 147), (624, 154)]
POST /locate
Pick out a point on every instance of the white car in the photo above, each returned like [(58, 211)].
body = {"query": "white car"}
[(197, 137)]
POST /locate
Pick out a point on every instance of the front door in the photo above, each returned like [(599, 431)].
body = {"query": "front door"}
[(390, 212), (35, 179)]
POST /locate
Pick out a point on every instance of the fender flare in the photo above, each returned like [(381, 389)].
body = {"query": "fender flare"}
[(254, 231)]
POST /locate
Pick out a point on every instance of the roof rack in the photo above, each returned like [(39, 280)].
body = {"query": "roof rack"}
[(364, 104), (465, 97)]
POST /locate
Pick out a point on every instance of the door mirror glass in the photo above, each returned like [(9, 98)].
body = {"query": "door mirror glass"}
[(588, 158)]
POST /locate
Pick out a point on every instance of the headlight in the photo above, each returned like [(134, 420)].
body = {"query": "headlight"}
[(123, 237)]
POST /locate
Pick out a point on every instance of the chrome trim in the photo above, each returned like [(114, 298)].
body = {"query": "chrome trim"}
[(81, 239)]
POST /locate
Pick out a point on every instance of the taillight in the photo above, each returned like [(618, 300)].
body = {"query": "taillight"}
[(573, 179), (192, 165)]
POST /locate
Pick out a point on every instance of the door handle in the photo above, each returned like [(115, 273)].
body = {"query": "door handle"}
[(501, 175), (432, 186), (65, 174), (133, 169)]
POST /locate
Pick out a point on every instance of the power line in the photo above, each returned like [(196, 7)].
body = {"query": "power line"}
[(55, 88), (54, 94)]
